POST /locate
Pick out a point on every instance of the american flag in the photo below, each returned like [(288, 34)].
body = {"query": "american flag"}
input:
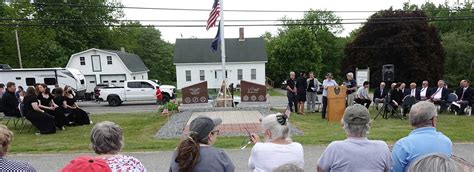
[(211, 22)]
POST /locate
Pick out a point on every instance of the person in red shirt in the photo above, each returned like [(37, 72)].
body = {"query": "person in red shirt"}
[(159, 96)]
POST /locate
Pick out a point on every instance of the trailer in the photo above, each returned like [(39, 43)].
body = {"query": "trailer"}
[(50, 76)]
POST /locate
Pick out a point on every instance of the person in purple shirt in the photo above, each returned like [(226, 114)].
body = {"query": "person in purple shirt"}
[(423, 140)]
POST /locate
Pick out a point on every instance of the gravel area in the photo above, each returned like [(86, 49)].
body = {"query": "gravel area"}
[(177, 122)]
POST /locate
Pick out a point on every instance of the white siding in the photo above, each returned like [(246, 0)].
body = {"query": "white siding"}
[(116, 68), (210, 73)]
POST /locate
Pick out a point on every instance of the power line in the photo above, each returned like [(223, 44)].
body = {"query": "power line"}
[(207, 10), (230, 25), (243, 20)]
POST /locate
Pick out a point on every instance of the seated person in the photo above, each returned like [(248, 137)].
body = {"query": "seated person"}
[(423, 139), (46, 103), (413, 92), (2, 90), (38, 117), (425, 91), (9, 102), (411, 97), (76, 116), (6, 137), (379, 94), (465, 97), (440, 96), (396, 97), (434, 162), (278, 148), (196, 153), (357, 152), (363, 95)]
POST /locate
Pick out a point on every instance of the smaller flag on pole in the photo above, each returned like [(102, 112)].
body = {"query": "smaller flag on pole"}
[(215, 12), (215, 42)]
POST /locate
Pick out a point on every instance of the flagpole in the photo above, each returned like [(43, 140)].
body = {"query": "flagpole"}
[(222, 40)]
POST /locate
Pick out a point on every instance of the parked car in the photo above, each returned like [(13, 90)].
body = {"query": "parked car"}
[(283, 86), (135, 90)]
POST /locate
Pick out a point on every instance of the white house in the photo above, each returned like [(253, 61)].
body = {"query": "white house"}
[(195, 62), (108, 67)]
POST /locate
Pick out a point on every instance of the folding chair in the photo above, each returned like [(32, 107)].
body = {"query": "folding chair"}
[(408, 102), (385, 109), (449, 101)]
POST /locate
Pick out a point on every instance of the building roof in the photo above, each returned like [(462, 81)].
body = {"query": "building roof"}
[(199, 51), (133, 62)]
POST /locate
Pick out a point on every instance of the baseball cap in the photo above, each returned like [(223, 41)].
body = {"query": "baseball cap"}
[(87, 164), (203, 125), (356, 115)]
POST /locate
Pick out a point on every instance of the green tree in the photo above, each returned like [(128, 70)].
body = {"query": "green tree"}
[(459, 48), (413, 46), (294, 49)]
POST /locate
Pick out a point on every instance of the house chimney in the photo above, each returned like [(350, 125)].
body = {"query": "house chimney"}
[(122, 49), (241, 34)]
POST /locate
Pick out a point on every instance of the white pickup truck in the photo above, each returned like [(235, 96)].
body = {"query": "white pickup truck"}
[(135, 90)]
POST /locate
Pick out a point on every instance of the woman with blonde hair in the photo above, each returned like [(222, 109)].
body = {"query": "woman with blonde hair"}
[(278, 148), (6, 137), (76, 116)]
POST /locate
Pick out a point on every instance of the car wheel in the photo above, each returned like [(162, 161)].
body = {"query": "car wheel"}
[(114, 101), (166, 98)]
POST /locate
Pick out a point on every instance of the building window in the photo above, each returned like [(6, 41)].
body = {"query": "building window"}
[(50, 81), (202, 75), (18, 78), (83, 60), (226, 74), (188, 75), (239, 74), (253, 74), (30, 81), (109, 60), (215, 74)]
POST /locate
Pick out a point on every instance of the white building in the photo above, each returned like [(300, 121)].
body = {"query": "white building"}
[(195, 62), (108, 67)]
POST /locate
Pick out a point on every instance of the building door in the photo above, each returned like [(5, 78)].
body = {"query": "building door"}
[(90, 83)]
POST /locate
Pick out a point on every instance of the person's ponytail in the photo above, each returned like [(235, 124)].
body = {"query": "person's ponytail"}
[(188, 152)]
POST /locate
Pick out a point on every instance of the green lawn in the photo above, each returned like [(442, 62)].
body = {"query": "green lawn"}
[(140, 128)]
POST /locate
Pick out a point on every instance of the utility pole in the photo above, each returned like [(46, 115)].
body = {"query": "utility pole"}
[(18, 48)]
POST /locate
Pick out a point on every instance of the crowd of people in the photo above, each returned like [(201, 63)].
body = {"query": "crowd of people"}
[(424, 149), (303, 89), (45, 110)]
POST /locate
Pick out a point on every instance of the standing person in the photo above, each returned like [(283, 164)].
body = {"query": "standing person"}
[(76, 115), (351, 85), (291, 92), (46, 103), (363, 95), (423, 140), (6, 137), (9, 102), (2, 89), (278, 149), (159, 96), (196, 153), (301, 86), (328, 82), (312, 92), (357, 152), (38, 117), (379, 95)]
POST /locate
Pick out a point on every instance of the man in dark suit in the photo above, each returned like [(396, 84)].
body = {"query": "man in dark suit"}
[(413, 91), (440, 96), (379, 94), (9, 102), (425, 91), (465, 97)]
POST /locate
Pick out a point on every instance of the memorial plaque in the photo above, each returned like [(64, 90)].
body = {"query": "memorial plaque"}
[(196, 93), (252, 92)]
